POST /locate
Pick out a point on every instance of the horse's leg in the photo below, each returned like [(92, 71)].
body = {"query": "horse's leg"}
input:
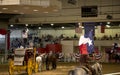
[(110, 58), (118, 58), (40, 66), (47, 65), (46, 62)]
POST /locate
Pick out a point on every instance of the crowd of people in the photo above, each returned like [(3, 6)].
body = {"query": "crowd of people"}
[(108, 37)]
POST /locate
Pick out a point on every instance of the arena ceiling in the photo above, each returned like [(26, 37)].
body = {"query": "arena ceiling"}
[(68, 16), (60, 25)]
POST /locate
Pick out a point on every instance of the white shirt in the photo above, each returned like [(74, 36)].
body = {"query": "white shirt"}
[(25, 35)]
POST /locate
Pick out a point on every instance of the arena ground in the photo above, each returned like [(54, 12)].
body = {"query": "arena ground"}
[(63, 68)]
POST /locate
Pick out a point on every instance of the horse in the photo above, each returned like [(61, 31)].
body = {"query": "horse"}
[(40, 61), (114, 55), (83, 70), (51, 60)]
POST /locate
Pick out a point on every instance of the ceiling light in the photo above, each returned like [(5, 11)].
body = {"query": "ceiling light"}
[(26, 24), (5, 8), (11, 25), (62, 27), (52, 24), (108, 22), (35, 10), (39, 28)]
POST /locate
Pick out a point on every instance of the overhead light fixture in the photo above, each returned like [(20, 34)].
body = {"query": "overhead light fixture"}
[(35, 10), (11, 25), (52, 24), (26, 25), (39, 27), (108, 22), (5, 8), (62, 27)]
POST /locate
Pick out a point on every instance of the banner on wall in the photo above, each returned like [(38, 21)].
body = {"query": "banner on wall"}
[(3, 31), (78, 29), (101, 29)]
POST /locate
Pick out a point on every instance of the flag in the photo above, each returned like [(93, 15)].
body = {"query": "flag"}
[(86, 42), (90, 44), (101, 29), (89, 33), (86, 45), (88, 27), (83, 44)]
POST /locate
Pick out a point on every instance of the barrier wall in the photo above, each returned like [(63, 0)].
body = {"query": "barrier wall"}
[(50, 47)]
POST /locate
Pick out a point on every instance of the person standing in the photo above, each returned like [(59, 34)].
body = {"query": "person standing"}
[(25, 36)]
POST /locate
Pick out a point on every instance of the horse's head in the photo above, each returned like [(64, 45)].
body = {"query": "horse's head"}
[(98, 68)]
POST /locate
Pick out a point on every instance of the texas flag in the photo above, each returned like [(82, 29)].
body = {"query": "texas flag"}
[(90, 44), (86, 44), (83, 44)]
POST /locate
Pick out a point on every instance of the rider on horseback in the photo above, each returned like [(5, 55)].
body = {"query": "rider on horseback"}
[(85, 61)]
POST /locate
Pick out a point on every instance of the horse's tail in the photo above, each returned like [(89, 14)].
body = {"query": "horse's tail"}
[(71, 72)]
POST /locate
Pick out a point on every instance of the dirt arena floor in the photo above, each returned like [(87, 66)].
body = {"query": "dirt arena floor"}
[(63, 68)]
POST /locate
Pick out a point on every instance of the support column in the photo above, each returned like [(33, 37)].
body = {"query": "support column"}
[(6, 50), (4, 25)]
